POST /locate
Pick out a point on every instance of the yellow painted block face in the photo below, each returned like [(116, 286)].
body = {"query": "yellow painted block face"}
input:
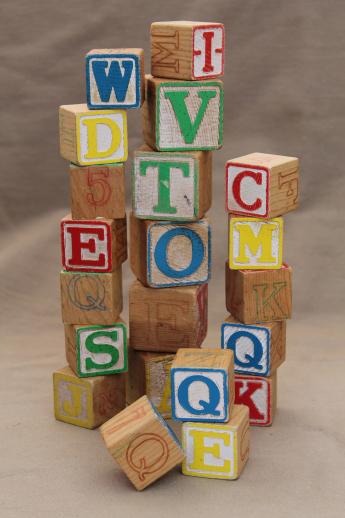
[(210, 450), (73, 400), (255, 244), (101, 137)]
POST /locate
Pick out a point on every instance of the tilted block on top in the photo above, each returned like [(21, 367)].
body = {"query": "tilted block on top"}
[(259, 394)]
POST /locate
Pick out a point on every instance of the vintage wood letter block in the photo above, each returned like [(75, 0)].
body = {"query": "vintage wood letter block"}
[(259, 394), (96, 350), (171, 186), (258, 295), (202, 385), (91, 298), (217, 450), (87, 402), (141, 443), (97, 191), (89, 137), (163, 320), (187, 50), (258, 349), (183, 115), (115, 78), (262, 185)]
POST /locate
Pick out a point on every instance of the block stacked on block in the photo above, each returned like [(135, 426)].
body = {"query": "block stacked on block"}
[(260, 189)]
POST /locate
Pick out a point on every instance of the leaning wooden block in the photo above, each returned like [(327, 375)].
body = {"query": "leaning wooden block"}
[(165, 319), (217, 450), (115, 78), (165, 254), (98, 245), (258, 349), (259, 395), (187, 50), (262, 185), (96, 350), (89, 137), (255, 243), (91, 298), (202, 385), (97, 191), (171, 186), (183, 115), (149, 373), (258, 295), (141, 443), (87, 402)]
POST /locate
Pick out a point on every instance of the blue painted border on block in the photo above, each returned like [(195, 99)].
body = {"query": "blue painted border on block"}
[(179, 283), (199, 418), (114, 106), (165, 424), (242, 371)]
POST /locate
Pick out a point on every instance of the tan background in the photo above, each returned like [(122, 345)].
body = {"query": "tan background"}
[(284, 93)]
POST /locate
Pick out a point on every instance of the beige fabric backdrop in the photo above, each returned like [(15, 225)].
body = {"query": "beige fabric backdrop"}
[(284, 93)]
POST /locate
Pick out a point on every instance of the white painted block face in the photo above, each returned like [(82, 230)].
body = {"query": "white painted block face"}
[(100, 245), (97, 357), (247, 190), (72, 400), (260, 397), (110, 138), (208, 51)]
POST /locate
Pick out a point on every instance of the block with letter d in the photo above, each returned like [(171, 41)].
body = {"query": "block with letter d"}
[(165, 254), (89, 137), (202, 385), (259, 394)]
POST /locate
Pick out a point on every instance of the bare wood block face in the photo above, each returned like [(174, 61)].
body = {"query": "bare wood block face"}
[(149, 373), (87, 402), (262, 185), (217, 450), (93, 245), (171, 186), (187, 50), (163, 320), (141, 443), (259, 394), (183, 116), (89, 137), (166, 254), (258, 349), (259, 295), (97, 191), (91, 298), (115, 78), (202, 385), (96, 350)]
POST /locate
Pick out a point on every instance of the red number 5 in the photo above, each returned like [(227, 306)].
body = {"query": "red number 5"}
[(98, 180)]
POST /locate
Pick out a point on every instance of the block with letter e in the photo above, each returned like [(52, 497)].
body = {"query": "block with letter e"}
[(217, 450), (89, 137), (202, 385), (262, 185), (259, 394), (183, 115), (115, 78)]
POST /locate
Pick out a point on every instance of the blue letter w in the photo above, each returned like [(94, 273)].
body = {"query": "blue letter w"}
[(114, 79)]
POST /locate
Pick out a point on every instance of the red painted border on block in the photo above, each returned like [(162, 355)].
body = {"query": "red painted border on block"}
[(210, 26), (269, 396)]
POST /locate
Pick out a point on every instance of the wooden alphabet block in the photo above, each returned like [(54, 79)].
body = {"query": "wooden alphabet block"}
[(187, 50), (262, 185), (96, 350), (115, 78), (97, 191), (258, 349), (202, 385), (141, 443), (89, 137), (217, 450), (259, 395), (162, 320), (87, 402), (149, 373), (171, 186), (165, 254), (255, 243), (254, 296), (93, 245), (91, 298), (183, 115)]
